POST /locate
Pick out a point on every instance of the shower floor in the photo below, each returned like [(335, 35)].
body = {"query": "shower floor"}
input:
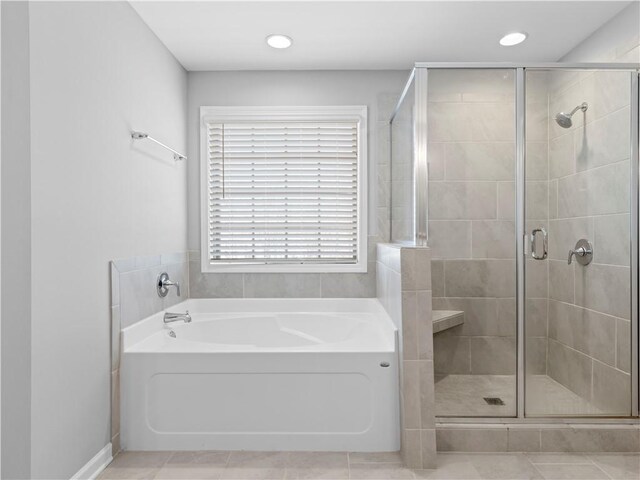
[(464, 395)]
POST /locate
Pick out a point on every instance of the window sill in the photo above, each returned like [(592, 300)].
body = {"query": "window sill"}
[(206, 267)]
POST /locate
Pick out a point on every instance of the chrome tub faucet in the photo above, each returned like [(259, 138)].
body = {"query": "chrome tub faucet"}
[(170, 317)]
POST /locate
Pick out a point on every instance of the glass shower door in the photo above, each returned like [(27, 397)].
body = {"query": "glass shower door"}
[(471, 232), (578, 268)]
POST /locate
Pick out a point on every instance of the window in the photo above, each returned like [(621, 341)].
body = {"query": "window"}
[(284, 189)]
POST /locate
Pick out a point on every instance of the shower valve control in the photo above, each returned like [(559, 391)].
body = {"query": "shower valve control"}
[(583, 252)]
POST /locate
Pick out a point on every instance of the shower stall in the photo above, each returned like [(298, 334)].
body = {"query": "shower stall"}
[(523, 181)]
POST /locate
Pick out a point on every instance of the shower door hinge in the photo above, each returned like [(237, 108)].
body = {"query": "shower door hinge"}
[(526, 244)]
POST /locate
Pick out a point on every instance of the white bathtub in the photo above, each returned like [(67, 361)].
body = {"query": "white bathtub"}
[(262, 374)]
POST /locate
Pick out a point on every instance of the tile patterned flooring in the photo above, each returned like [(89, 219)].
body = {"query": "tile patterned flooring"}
[(463, 395), (382, 466)]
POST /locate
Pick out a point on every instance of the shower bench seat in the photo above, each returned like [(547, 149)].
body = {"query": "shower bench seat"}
[(445, 319)]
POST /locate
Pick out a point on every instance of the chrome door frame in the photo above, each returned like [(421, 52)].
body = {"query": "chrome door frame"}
[(419, 74)]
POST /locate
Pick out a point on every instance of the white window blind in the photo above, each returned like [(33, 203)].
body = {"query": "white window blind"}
[(283, 192)]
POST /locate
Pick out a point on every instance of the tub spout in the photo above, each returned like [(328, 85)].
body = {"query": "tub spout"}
[(176, 317)]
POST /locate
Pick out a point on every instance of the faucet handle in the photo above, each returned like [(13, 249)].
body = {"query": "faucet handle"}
[(164, 283), (583, 252)]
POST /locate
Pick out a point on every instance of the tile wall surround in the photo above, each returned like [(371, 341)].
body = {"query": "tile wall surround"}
[(561, 437), (404, 289), (283, 285), (133, 298)]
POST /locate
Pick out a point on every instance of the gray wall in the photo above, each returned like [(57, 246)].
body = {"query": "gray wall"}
[(377, 89), (617, 40), (16, 243), (96, 73)]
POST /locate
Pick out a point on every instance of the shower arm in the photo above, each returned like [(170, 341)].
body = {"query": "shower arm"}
[(582, 106)]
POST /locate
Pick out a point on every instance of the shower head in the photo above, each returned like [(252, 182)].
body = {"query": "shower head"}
[(564, 119)]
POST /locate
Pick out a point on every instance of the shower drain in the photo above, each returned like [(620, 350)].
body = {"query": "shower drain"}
[(494, 400)]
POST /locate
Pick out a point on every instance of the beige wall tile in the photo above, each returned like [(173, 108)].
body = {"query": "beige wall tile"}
[(435, 159), (411, 448), (536, 277), (427, 398), (116, 329), (537, 195), (606, 92), (561, 281), (570, 368), (600, 191), (480, 161), (623, 345), (265, 285), (603, 141), (611, 239), (450, 238), (115, 403), (349, 285), (604, 288), (481, 315), (451, 354), (437, 278), (611, 389), (536, 351), (468, 122), (409, 326), (425, 325), (536, 316), (410, 394), (506, 201), (493, 239), (480, 278), (462, 200), (562, 158), (553, 199), (214, 285), (523, 439), (428, 443), (537, 164), (422, 268), (590, 332), (493, 355), (471, 440), (586, 439)]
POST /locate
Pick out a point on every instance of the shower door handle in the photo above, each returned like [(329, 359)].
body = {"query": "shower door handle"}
[(535, 233)]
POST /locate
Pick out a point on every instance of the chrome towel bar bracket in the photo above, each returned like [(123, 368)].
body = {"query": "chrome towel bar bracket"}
[(141, 135)]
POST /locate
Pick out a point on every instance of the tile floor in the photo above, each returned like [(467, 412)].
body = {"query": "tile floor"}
[(382, 466), (463, 395)]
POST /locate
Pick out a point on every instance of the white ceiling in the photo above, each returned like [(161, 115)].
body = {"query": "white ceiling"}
[(217, 35)]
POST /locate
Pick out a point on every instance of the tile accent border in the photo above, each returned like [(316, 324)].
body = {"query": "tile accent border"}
[(404, 289), (573, 438), (133, 298)]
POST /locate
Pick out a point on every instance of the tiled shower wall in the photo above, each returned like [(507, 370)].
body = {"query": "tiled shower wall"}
[(471, 216), (404, 290), (133, 298), (589, 180)]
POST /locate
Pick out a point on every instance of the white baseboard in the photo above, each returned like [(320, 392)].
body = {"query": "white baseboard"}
[(96, 465)]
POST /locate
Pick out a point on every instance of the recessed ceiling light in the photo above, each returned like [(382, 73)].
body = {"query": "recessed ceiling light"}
[(279, 41), (511, 39)]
